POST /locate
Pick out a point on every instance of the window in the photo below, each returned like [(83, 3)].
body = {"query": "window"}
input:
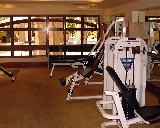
[(27, 36)]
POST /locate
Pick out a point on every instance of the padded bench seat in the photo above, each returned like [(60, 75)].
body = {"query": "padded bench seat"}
[(63, 61), (72, 60), (53, 58), (56, 59)]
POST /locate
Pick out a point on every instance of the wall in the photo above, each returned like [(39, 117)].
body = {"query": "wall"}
[(140, 5)]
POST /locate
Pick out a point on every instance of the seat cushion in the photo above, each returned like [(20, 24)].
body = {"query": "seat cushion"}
[(149, 112), (87, 72)]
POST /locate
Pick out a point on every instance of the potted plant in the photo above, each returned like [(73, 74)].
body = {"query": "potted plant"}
[(2, 35)]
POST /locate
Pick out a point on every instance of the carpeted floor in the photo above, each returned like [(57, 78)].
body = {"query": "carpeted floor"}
[(34, 100)]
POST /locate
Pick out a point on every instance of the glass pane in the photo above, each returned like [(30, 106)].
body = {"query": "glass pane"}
[(87, 49), (56, 38), (91, 36), (55, 22), (4, 22), (73, 53), (38, 52), (21, 53), (32, 36), (21, 38), (73, 22), (56, 53), (39, 37), (73, 49), (73, 37), (155, 36), (120, 18), (91, 22), (5, 53), (86, 53), (20, 22), (38, 22), (5, 37)]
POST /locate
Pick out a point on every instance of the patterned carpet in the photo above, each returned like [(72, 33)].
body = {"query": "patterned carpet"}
[(34, 100)]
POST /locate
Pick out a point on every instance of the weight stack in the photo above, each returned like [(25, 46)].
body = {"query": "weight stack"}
[(128, 110)]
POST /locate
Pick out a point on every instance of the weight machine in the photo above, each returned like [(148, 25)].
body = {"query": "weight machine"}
[(81, 61), (120, 30), (89, 61), (93, 66), (123, 118), (128, 57)]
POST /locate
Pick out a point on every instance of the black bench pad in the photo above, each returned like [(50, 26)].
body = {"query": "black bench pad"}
[(149, 112)]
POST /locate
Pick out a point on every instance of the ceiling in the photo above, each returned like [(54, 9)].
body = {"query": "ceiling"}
[(64, 5)]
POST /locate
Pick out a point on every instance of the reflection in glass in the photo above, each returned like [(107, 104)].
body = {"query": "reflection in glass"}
[(38, 22), (38, 52), (5, 37), (20, 22), (40, 33), (5, 53), (90, 22), (73, 37), (39, 38), (4, 22), (56, 38), (55, 22), (73, 53), (21, 53), (57, 53), (91, 37), (73, 22), (21, 38)]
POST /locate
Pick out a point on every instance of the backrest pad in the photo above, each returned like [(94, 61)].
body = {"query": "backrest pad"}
[(130, 99)]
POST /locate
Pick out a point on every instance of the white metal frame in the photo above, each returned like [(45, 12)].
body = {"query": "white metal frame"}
[(108, 61), (114, 50), (74, 79), (73, 65), (117, 119), (77, 76)]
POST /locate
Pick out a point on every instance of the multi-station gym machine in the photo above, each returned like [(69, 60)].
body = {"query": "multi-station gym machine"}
[(120, 30), (128, 57)]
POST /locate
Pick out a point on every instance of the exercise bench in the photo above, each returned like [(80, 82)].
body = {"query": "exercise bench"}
[(71, 60), (93, 66)]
